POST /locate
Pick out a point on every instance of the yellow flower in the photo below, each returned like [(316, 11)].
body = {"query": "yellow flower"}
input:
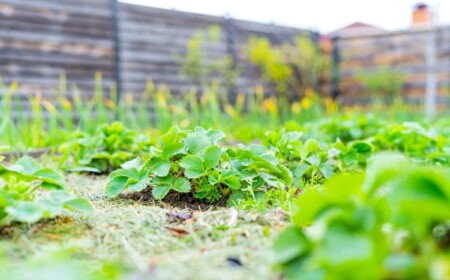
[(98, 77), (161, 97), (49, 106), (296, 107), (66, 104), (240, 100), (259, 90), (36, 99), (306, 103), (13, 86), (330, 105), (270, 104), (110, 104), (230, 110), (129, 99)]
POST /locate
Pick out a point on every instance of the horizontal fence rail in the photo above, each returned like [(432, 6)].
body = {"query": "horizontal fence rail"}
[(129, 44)]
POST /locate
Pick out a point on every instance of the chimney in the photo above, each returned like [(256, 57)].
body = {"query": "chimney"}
[(422, 16)]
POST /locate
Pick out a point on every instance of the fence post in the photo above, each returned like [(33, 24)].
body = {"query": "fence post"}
[(117, 49), (431, 88), (315, 39), (231, 51), (336, 73)]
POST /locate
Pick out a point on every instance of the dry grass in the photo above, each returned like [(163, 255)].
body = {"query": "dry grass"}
[(149, 242)]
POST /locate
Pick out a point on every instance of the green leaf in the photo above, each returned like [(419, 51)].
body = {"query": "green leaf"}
[(384, 167), (182, 185), (160, 191), (173, 149), (362, 147), (50, 208), (341, 246), (301, 170), (235, 199), (134, 163), (233, 182), (258, 150), (326, 170), (27, 212), (161, 167), (271, 180), (26, 165), (193, 173), (167, 180), (313, 160), (290, 245), (311, 145), (82, 169), (285, 174), (170, 137), (212, 157), (423, 195), (245, 158), (193, 166), (204, 191), (214, 177), (197, 142), (79, 204), (50, 176), (115, 186), (60, 197), (130, 173), (215, 135), (50, 186), (139, 185)]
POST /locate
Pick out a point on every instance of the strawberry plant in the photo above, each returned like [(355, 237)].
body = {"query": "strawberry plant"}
[(193, 162), (310, 159), (346, 128), (18, 184), (389, 223), (111, 146), (422, 145)]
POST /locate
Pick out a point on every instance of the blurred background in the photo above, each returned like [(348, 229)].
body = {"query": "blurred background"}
[(134, 41), (90, 57)]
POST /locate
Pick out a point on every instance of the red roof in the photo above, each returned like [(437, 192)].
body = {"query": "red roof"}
[(357, 28)]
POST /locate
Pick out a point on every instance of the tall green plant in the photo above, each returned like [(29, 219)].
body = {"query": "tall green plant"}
[(203, 68), (383, 82), (291, 67)]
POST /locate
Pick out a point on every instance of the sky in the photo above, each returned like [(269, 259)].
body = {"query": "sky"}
[(320, 15)]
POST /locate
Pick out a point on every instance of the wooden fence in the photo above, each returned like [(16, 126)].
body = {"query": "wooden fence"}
[(128, 44), (403, 52), (40, 39)]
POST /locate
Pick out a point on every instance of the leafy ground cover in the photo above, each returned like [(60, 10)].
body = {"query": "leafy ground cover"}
[(391, 222), (20, 181), (259, 188), (306, 202)]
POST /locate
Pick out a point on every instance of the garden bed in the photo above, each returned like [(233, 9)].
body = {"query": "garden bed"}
[(188, 206), (151, 239)]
